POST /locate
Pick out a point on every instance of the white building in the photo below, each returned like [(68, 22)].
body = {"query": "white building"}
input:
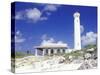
[(49, 50)]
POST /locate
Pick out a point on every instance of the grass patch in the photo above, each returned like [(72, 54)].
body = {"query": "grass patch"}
[(21, 54)]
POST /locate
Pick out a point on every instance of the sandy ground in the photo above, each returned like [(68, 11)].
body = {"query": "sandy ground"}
[(42, 64)]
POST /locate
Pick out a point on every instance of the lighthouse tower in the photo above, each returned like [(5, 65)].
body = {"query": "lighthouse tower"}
[(77, 33)]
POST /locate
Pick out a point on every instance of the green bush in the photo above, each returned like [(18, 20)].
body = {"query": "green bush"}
[(20, 54)]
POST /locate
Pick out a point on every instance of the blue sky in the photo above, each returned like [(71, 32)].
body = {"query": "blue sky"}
[(35, 22)]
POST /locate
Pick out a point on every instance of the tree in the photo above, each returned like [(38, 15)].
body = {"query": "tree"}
[(90, 46)]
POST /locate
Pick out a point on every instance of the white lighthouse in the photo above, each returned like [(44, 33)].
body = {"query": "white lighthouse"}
[(77, 33)]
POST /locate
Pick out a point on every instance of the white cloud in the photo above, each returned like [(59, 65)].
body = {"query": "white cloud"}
[(19, 40), (18, 16), (48, 13), (43, 18), (52, 42), (82, 29), (18, 37), (35, 14), (44, 37), (18, 33), (89, 38), (50, 7)]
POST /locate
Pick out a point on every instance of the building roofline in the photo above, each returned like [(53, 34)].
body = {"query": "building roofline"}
[(50, 47)]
